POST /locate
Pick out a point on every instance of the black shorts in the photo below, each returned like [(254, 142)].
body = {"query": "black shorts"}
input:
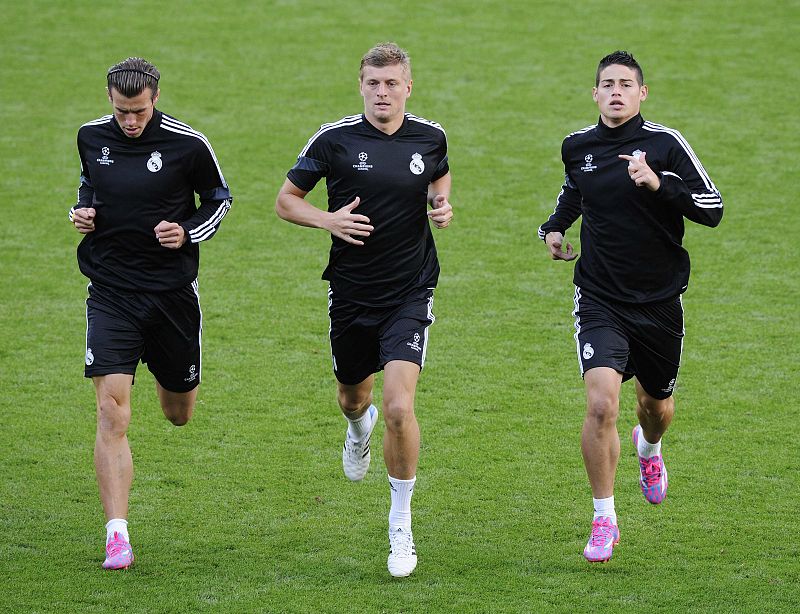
[(162, 329), (645, 341), (364, 339)]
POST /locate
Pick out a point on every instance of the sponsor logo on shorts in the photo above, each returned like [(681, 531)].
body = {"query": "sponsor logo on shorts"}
[(588, 351), (192, 374), (414, 345), (154, 164), (89, 357), (416, 165), (670, 387)]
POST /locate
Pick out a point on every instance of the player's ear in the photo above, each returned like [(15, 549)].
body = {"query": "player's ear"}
[(643, 93), (108, 93), (410, 85), (155, 98), (594, 94)]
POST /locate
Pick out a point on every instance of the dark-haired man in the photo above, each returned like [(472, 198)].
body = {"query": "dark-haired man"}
[(140, 171), (383, 168), (634, 182)]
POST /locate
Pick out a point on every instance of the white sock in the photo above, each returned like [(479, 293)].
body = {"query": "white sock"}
[(400, 512), (359, 427), (647, 449), (605, 507), (118, 525)]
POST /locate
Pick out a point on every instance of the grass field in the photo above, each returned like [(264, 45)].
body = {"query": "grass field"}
[(245, 509)]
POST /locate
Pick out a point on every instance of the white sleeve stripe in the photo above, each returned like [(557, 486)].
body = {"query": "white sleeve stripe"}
[(671, 173), (200, 136), (213, 221), (422, 120), (99, 121), (203, 237), (208, 232), (687, 148), (582, 130), (539, 231), (707, 200), (177, 123), (350, 120)]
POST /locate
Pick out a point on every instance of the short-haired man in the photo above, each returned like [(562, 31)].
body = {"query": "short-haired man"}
[(382, 169), (634, 182), (140, 170)]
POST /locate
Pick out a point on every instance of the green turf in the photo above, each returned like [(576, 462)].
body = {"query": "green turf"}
[(245, 509)]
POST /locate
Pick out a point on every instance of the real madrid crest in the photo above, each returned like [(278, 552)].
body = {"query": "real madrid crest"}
[(416, 165), (154, 164)]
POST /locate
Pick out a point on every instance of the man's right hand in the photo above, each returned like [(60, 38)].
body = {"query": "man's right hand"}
[(83, 220), (346, 225), (555, 241)]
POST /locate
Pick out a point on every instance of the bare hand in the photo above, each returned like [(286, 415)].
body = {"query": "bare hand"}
[(554, 241), (641, 173), (346, 225), (83, 220), (442, 213), (170, 234)]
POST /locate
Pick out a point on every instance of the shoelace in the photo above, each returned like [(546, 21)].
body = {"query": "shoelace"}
[(356, 447), (117, 545), (602, 532), (401, 542), (651, 470)]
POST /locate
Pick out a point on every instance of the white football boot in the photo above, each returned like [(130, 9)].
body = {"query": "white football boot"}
[(402, 553), (355, 454)]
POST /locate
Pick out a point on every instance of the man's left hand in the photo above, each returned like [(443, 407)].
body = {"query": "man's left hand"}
[(442, 212), (642, 174), (170, 234)]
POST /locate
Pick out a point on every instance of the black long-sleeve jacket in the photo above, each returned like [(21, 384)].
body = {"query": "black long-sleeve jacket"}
[(631, 237), (135, 183)]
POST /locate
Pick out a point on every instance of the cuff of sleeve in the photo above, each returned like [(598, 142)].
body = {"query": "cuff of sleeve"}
[(661, 179), (543, 232)]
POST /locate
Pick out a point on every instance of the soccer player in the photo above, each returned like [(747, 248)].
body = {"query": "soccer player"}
[(634, 182), (382, 169), (140, 170)]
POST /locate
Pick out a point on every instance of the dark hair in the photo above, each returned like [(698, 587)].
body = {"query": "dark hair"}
[(623, 58), (130, 77), (386, 54)]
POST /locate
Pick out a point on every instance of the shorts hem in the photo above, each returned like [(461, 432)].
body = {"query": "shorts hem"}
[(107, 371), (179, 389), (661, 394)]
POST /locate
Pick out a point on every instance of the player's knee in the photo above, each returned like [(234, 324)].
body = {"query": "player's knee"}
[(112, 418), (656, 408), (178, 413), (603, 409), (178, 420), (396, 414), (353, 405)]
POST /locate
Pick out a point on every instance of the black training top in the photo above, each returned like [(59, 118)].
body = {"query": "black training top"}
[(135, 183), (631, 236), (390, 173)]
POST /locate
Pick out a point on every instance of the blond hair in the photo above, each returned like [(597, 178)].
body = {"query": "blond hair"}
[(386, 54)]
